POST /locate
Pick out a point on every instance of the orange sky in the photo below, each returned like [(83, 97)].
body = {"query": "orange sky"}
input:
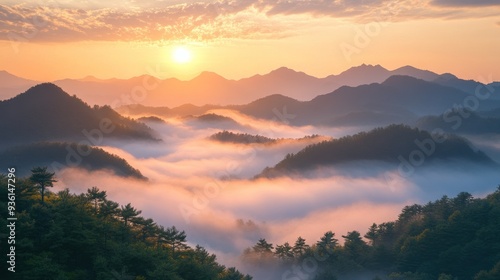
[(238, 39)]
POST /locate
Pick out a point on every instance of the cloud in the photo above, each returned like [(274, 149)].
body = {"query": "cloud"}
[(466, 3), (195, 21), (161, 21), (202, 187)]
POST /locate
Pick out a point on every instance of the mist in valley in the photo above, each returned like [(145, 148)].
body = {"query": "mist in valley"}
[(208, 189)]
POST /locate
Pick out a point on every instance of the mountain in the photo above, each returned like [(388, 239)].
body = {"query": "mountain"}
[(386, 144), (360, 75), (411, 71), (60, 155), (241, 138), (10, 85), (395, 100), (213, 121), (151, 119), (46, 113), (211, 88), (469, 86), (462, 122)]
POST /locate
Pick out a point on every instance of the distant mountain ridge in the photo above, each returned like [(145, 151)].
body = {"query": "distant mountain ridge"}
[(211, 88), (398, 99)]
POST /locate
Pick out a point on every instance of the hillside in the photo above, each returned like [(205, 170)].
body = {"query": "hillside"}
[(241, 138), (245, 138), (89, 236), (455, 122), (211, 120), (382, 144), (46, 113), (450, 238), (62, 155)]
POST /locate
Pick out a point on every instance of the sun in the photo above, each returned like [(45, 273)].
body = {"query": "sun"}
[(181, 55)]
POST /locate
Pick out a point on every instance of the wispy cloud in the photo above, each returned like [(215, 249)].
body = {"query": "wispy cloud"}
[(155, 20), (198, 21), (466, 3)]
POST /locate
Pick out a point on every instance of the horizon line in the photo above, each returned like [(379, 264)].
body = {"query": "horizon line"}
[(90, 76)]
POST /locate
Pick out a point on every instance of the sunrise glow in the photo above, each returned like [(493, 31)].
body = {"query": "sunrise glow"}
[(181, 55), (250, 140)]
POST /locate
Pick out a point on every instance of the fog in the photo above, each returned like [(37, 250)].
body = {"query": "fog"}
[(204, 187)]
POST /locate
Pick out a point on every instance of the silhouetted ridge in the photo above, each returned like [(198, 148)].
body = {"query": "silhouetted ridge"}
[(240, 138), (381, 144), (455, 122), (45, 113), (56, 155), (403, 81)]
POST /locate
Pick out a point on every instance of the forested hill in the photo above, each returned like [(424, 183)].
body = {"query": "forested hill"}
[(448, 239), (88, 236), (381, 144), (46, 113), (58, 156), (245, 138)]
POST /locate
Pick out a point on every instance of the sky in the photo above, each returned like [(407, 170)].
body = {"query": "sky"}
[(50, 40)]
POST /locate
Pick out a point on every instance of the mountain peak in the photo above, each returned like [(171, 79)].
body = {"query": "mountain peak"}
[(45, 88), (287, 73), (403, 81), (90, 78), (364, 69), (283, 70), (207, 75), (447, 77), (415, 72)]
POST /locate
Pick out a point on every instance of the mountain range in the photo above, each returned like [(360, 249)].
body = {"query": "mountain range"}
[(211, 88), (398, 99)]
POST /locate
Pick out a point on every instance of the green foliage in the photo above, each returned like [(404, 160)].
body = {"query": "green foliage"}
[(240, 138), (448, 239), (87, 236), (42, 179), (493, 274), (382, 144)]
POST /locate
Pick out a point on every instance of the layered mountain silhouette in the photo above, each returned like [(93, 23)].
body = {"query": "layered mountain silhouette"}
[(388, 144), (46, 113), (397, 99), (57, 156), (462, 122), (211, 88), (11, 85)]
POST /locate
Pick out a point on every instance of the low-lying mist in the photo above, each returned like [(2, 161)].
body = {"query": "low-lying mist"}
[(206, 188)]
